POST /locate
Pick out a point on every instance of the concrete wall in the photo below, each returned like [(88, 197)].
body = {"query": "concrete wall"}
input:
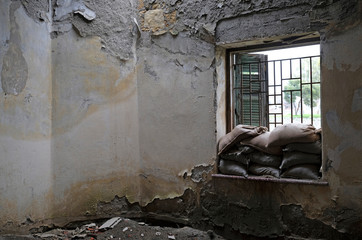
[(26, 174), (176, 112), (95, 147), (116, 107)]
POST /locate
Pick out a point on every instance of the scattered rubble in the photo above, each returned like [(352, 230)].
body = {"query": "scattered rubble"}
[(123, 228)]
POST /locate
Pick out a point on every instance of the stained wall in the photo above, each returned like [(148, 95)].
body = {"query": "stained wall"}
[(116, 107), (26, 173)]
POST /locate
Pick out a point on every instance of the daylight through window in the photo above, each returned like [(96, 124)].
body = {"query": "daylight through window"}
[(271, 88)]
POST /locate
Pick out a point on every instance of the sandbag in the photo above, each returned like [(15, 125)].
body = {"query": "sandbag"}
[(261, 170), (260, 143), (291, 133), (314, 147), (307, 171), (239, 133), (237, 156), (244, 148), (232, 168), (265, 159), (295, 158)]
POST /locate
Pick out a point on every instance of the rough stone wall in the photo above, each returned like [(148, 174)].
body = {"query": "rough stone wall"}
[(119, 104)]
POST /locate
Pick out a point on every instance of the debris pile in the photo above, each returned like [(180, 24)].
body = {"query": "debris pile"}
[(122, 228)]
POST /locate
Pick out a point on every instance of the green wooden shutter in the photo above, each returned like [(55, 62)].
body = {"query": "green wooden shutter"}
[(250, 89)]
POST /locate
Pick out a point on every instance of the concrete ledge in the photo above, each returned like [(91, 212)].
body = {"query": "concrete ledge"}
[(276, 180)]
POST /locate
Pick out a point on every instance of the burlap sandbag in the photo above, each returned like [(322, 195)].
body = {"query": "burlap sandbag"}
[(307, 171), (237, 156), (260, 142), (232, 168), (291, 133), (296, 158), (239, 133), (265, 159), (244, 148), (314, 147), (261, 170)]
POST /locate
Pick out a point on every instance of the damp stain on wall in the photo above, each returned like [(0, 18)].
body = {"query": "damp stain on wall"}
[(78, 93), (14, 73)]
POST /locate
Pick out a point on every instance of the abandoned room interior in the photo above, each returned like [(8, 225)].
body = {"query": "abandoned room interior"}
[(122, 109)]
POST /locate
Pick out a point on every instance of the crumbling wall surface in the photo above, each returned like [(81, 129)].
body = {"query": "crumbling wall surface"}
[(176, 112), (333, 212), (116, 104), (342, 68), (25, 117), (283, 18), (267, 209), (69, 110), (95, 147)]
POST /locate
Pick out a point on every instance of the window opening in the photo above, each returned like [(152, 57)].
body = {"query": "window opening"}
[(271, 88)]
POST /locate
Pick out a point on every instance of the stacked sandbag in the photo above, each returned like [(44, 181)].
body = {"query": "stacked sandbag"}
[(233, 156), (265, 161), (301, 150), (244, 151), (235, 161)]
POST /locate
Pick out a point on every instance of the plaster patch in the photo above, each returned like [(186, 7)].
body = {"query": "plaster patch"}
[(38, 10), (14, 73), (357, 100), (336, 54), (4, 31), (350, 138), (197, 173), (114, 24)]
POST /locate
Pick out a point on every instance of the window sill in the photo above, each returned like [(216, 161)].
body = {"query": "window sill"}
[(276, 180)]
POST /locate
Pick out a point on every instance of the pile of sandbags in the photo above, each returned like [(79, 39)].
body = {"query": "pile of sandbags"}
[(290, 151), (235, 161), (302, 150), (234, 156), (244, 150), (265, 161)]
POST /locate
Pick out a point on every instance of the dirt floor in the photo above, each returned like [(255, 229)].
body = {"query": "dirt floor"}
[(124, 229)]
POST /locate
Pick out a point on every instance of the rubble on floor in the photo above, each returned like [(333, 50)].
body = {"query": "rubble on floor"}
[(121, 228)]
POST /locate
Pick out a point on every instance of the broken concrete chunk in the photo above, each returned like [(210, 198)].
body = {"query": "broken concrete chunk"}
[(111, 223), (210, 28), (65, 8), (158, 33), (154, 20), (86, 13)]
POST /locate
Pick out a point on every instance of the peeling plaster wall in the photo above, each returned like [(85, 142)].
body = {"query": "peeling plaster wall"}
[(332, 212), (342, 72), (25, 117), (176, 112), (118, 107), (95, 125)]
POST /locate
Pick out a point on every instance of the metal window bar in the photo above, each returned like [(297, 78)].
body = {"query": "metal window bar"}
[(263, 91)]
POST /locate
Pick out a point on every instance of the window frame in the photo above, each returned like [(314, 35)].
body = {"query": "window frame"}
[(248, 49)]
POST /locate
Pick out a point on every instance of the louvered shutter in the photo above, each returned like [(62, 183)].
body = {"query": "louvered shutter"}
[(249, 89)]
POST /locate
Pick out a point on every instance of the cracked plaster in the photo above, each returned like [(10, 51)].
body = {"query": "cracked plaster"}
[(185, 64)]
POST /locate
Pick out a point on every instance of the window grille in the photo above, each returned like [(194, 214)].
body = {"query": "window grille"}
[(271, 93)]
